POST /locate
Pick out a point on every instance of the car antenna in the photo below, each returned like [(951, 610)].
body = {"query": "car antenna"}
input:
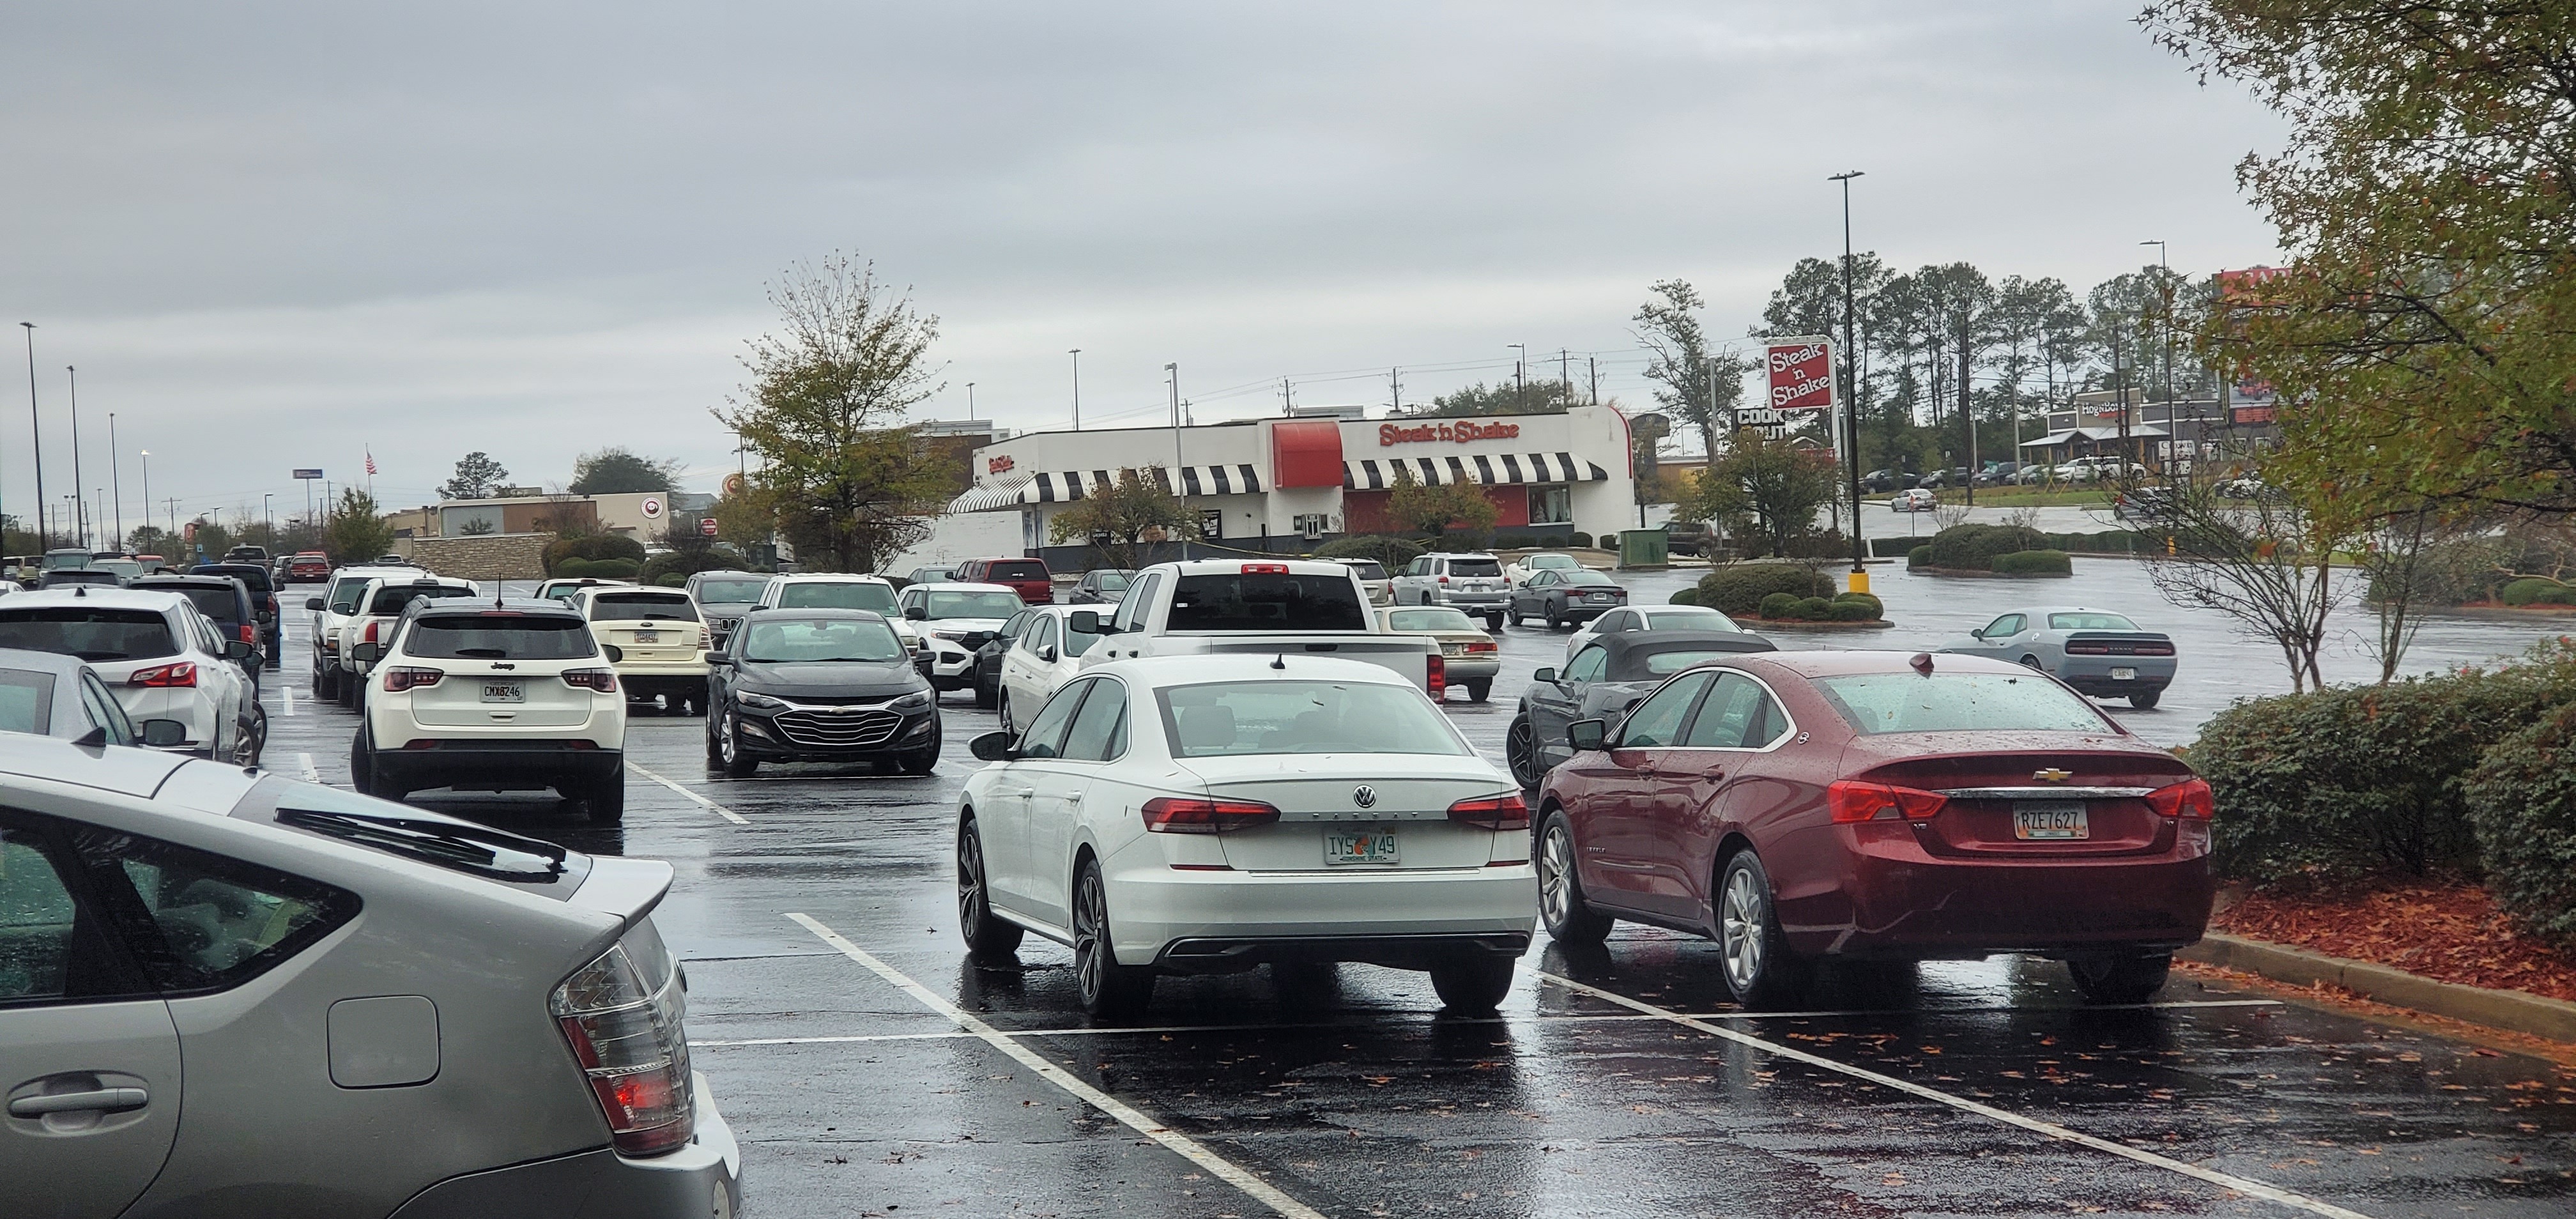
[(1922, 663), (1279, 661)]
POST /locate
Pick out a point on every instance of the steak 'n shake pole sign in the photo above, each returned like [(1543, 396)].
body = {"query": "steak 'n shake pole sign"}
[(1801, 374)]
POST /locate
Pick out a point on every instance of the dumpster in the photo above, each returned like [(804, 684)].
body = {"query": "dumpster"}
[(1643, 549)]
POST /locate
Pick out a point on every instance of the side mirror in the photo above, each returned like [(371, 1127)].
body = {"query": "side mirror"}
[(1587, 735), (313, 603), (615, 653), (1083, 622), (1547, 675), (916, 613), (163, 734), (720, 660), (1047, 654), (239, 650), (1977, 632), (993, 747), (365, 653)]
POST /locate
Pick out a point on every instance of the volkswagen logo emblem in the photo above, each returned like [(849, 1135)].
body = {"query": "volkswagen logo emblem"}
[(1364, 796)]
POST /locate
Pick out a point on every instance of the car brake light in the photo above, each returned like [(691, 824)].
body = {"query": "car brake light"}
[(1265, 569), (1190, 815), (398, 680), (2190, 800), (2088, 649), (1435, 673), (370, 636), (1483, 645), (705, 640), (183, 673), (629, 1041), (249, 632), (1851, 800), (602, 680), (1503, 812)]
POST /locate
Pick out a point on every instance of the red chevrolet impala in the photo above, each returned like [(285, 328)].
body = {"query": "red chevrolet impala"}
[(1878, 806)]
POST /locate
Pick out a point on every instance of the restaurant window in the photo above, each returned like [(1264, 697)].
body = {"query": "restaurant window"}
[(1551, 505)]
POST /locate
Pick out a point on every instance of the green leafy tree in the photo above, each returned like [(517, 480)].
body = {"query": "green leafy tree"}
[(842, 479), (1436, 510), (1766, 492), (476, 477), (613, 470), (355, 532), (150, 539), (1696, 384), (1122, 521), (1504, 398)]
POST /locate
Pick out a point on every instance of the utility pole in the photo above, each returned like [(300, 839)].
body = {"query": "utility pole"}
[(1394, 392), (1851, 402), (970, 400), (1563, 376), (1520, 370), (147, 490), (174, 521), (1593, 363), (1076, 353), (36, 433), (1968, 411), (80, 507), (116, 479), (1174, 370)]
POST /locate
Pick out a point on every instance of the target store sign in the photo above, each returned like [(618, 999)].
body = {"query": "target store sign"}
[(1801, 374)]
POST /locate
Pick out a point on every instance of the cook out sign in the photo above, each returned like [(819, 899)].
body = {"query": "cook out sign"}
[(1802, 374)]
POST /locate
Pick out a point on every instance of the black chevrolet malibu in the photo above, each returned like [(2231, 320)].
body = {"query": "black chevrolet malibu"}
[(819, 685)]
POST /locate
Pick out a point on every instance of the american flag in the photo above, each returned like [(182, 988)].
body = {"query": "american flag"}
[(371, 461)]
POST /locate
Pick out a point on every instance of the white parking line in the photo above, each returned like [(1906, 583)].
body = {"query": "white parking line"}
[(311, 775), (1186, 1147), (288, 693), (2242, 1185), (701, 801)]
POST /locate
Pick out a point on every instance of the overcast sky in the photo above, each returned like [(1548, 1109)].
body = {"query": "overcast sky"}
[(275, 235)]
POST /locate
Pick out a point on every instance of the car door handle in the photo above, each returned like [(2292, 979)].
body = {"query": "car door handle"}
[(105, 1100), (1016, 791)]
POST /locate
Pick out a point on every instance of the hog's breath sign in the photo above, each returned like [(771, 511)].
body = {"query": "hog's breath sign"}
[(1801, 372)]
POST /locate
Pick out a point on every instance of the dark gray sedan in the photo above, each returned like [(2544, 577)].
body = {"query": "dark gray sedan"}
[(819, 685), (2098, 652), (1565, 597), (1605, 678)]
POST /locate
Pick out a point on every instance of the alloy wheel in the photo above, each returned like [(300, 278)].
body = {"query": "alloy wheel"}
[(1520, 752), (1090, 927), (726, 746), (1555, 872), (1740, 930), (970, 879)]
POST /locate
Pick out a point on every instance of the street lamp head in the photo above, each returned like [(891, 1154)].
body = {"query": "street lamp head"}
[(1845, 176)]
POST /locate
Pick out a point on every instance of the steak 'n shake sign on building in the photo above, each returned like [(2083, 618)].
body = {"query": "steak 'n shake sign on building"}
[(1280, 485)]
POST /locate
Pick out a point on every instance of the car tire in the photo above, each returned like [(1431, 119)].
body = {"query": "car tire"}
[(715, 756), (1494, 622), (1754, 960), (1472, 984), (2129, 978), (2031, 662), (1109, 990), (606, 797), (326, 686), (255, 732), (988, 938), (730, 756), (1570, 920), (920, 761), (1513, 615), (1478, 691), (1520, 753), (986, 700), (350, 685), (2146, 700), (362, 764), (1004, 713)]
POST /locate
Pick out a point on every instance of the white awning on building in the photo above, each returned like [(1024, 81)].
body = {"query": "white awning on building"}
[(2144, 431), (1378, 474), (2049, 441), (985, 499), (1066, 486)]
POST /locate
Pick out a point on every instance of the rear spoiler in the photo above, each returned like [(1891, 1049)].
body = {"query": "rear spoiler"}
[(626, 888)]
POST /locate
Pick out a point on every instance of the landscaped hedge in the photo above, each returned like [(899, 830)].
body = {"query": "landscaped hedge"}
[(1738, 588), (1687, 596), (1920, 556), (594, 547), (2108, 541), (2034, 563), (2522, 806), (1580, 541), (1975, 547), (2536, 590), (1393, 553), (598, 569)]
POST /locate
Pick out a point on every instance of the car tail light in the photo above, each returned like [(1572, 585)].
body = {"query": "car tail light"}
[(1190, 815), (370, 636), (400, 679), (2152, 649), (183, 673), (705, 640), (2088, 649), (1503, 812), (1436, 675), (602, 680), (2190, 800), (1851, 800), (1483, 645), (628, 1038), (1444, 579), (249, 632), (1265, 569)]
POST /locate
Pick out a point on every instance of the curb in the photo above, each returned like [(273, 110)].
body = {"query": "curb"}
[(2510, 1010)]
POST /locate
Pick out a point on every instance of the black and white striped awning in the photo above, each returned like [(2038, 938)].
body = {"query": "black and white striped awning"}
[(1378, 474), (1065, 486), (1212, 480)]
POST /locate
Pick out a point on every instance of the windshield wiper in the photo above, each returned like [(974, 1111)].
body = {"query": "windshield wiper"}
[(467, 848)]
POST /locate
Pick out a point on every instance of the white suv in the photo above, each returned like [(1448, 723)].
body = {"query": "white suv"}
[(663, 641), (955, 619), (161, 658), (516, 696), (1472, 583), (332, 611), (379, 604), (834, 590)]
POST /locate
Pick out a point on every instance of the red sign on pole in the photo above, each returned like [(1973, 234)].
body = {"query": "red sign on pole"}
[(1801, 374), (706, 526)]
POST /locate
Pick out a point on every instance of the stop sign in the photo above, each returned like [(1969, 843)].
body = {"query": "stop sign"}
[(707, 526)]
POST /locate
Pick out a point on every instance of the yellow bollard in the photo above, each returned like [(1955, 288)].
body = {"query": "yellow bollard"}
[(1860, 581)]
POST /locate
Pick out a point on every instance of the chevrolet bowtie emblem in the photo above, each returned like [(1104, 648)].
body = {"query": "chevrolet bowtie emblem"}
[(2052, 775)]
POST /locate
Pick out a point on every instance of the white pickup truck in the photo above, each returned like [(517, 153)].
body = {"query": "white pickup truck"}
[(1232, 607)]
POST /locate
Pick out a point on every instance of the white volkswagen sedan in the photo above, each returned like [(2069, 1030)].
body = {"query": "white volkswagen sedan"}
[(1043, 658), (1207, 814)]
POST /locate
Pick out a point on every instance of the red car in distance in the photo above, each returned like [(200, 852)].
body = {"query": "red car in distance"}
[(1027, 577), (308, 565), (1875, 806)]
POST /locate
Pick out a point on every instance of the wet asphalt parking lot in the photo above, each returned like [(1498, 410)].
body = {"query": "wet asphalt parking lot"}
[(871, 1070)]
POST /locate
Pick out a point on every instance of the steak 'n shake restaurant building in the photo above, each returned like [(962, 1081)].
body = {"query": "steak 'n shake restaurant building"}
[(1283, 485)]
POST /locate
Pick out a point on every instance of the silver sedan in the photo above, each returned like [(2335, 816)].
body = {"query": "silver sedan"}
[(2096, 651)]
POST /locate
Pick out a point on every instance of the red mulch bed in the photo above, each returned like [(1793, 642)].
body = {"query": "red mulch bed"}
[(2438, 929)]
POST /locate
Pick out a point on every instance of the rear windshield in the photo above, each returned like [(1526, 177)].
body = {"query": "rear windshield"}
[(1959, 702), (730, 592), (1267, 602), (79, 575), (1368, 569), (220, 604), (1260, 717), (1541, 562), (26, 701), (1018, 569), (772, 640), (1475, 567), (837, 594), (1589, 578), (974, 605), (252, 576), (1690, 620), (631, 607), (1109, 581), (499, 635), (1635, 665), (2090, 622), (1431, 618), (97, 635), (393, 597)]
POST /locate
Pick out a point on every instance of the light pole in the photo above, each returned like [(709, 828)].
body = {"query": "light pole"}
[(268, 512), (1076, 353), (80, 507), (1851, 400), (1520, 364), (1175, 376), (970, 400), (36, 433), (147, 488), (116, 479), (2164, 289)]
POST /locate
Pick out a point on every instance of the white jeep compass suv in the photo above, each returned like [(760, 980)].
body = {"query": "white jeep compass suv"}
[(512, 695)]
